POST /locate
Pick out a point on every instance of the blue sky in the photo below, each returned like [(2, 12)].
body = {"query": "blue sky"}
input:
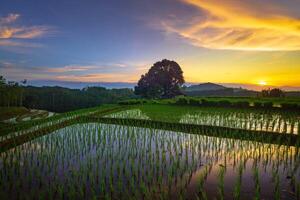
[(117, 41)]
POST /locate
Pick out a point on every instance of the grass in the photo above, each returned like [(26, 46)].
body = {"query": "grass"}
[(249, 119), (283, 103), (10, 112)]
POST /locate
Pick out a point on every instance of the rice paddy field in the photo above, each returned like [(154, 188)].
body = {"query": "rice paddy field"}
[(89, 159), (248, 119)]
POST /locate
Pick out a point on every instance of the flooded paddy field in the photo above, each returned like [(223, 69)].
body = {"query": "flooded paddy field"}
[(100, 161), (247, 119)]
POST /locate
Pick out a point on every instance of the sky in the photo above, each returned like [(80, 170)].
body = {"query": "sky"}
[(244, 43)]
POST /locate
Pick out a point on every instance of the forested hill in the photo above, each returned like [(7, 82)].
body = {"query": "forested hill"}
[(212, 89), (59, 99), (205, 87)]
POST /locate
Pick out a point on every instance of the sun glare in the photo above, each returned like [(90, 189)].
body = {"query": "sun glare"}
[(262, 83)]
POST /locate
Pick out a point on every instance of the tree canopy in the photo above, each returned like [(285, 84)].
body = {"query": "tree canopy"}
[(163, 80), (276, 92)]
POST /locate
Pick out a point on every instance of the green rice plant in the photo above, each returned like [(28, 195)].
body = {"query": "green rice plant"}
[(237, 187), (114, 161), (221, 174), (256, 182)]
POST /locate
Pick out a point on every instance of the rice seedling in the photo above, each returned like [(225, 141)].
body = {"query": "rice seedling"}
[(266, 120), (148, 159)]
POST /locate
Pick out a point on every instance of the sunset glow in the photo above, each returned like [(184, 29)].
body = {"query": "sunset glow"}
[(262, 83), (239, 42)]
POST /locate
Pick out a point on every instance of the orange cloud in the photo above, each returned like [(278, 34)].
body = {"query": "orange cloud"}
[(24, 32), (9, 32), (240, 25)]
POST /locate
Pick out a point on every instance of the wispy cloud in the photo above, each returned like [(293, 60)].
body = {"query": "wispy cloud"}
[(239, 25), (14, 35), (12, 43), (73, 68), (9, 18), (24, 32), (107, 72), (97, 77)]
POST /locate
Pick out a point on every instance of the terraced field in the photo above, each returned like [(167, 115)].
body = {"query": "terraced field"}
[(153, 152)]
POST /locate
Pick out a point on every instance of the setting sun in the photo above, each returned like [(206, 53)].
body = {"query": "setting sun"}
[(263, 83)]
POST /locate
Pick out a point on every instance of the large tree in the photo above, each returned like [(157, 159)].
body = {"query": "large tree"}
[(163, 80)]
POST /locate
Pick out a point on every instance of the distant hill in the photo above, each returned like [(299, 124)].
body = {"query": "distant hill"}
[(80, 85), (212, 89), (204, 87)]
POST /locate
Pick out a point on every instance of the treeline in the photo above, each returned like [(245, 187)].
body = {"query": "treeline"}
[(11, 93), (276, 92), (229, 92), (58, 99), (238, 92)]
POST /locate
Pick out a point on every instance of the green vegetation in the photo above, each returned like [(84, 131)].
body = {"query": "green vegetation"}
[(272, 93), (286, 103), (11, 92), (248, 119), (9, 112), (10, 132), (58, 99), (184, 147), (99, 161), (267, 126), (13, 115), (163, 80)]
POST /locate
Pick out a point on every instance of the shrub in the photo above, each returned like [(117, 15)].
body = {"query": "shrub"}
[(132, 102), (194, 102), (205, 102), (154, 101), (182, 101), (224, 103), (289, 106), (268, 105), (258, 104), (241, 104)]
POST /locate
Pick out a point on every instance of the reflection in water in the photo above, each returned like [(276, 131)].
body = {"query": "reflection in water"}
[(249, 121), (118, 162)]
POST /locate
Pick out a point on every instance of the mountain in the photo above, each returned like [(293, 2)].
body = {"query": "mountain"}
[(212, 89), (204, 87), (80, 85)]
